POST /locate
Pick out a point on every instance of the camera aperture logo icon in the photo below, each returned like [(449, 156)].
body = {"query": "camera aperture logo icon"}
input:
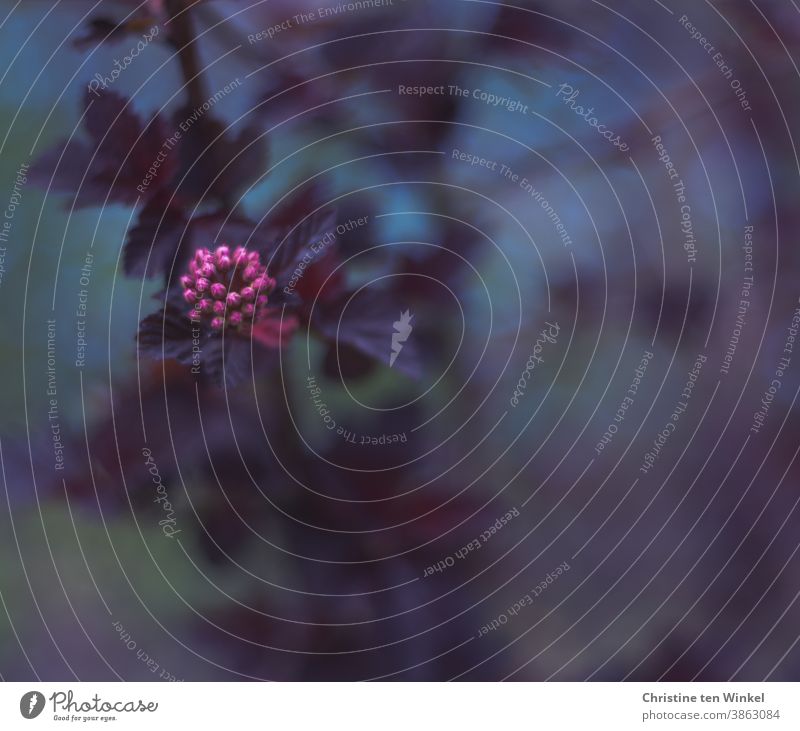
[(32, 704), (402, 331)]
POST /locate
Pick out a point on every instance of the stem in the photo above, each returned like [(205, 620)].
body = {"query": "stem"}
[(182, 37), (183, 40)]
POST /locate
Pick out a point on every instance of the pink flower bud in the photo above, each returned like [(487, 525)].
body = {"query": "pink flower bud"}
[(219, 295)]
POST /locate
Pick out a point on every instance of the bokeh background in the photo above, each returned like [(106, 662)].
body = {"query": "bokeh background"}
[(292, 552)]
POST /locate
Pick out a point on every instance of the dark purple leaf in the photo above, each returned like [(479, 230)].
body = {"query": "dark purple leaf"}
[(366, 323), (100, 30), (152, 244), (224, 358), (347, 363), (167, 334), (104, 29), (229, 363), (114, 163), (217, 164), (305, 241)]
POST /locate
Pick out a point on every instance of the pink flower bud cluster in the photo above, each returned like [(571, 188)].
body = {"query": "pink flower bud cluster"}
[(226, 288)]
